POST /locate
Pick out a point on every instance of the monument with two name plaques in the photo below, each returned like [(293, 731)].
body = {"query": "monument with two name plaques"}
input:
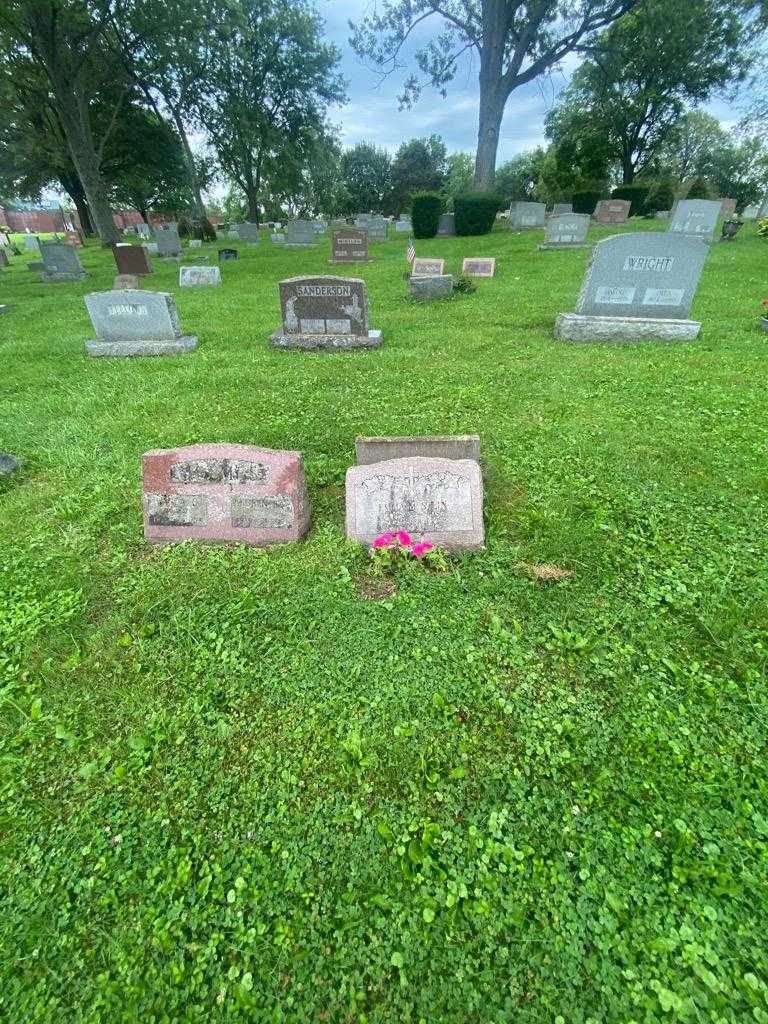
[(324, 313)]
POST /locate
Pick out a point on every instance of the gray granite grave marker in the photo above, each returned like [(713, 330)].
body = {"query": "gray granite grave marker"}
[(377, 229), (31, 243), (436, 446), (60, 262), (199, 277), (135, 323), (422, 267), (227, 254), (566, 231), (695, 217), (527, 216), (324, 314), (300, 233), (426, 289), (561, 208), (249, 233), (168, 241), (447, 224)]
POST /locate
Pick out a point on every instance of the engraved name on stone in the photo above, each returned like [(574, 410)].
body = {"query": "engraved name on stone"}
[(306, 291), (663, 264), (127, 311), (218, 471), (663, 297), (273, 512), (177, 509), (615, 296), (429, 503)]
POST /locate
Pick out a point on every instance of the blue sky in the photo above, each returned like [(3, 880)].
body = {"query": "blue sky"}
[(372, 112)]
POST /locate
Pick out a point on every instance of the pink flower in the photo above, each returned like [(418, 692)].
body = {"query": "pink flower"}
[(403, 538), (418, 550), (383, 541)]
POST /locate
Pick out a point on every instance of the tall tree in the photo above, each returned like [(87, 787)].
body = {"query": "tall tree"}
[(419, 165), (66, 39), (642, 71), (515, 41), (267, 99), (687, 154), (738, 168), (366, 172), (458, 175), (518, 177)]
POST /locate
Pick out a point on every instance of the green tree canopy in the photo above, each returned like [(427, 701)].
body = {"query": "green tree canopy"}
[(419, 165), (366, 171)]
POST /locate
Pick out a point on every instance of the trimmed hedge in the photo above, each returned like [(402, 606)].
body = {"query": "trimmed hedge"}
[(586, 201), (661, 197), (476, 212), (699, 189), (426, 208), (636, 194)]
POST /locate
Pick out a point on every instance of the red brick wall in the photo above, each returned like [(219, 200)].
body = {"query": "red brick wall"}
[(35, 220)]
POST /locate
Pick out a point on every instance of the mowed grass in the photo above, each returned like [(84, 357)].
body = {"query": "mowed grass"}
[(234, 790)]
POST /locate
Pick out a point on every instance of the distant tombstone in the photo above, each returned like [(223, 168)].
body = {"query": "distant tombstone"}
[(226, 493), (427, 289), (277, 238), (168, 241), (350, 245), (695, 217), (763, 212), (446, 225), (433, 499), (362, 219), (299, 232), (227, 254), (60, 262), (4, 238), (131, 259), (427, 268), (249, 233), (135, 323), (727, 208), (561, 208), (195, 243), (151, 248), (612, 211), (125, 282), (381, 449), (403, 224), (324, 313), (479, 266), (750, 212), (31, 243), (234, 232), (663, 214), (377, 229), (566, 231), (638, 286), (4, 261), (526, 216), (143, 231), (199, 277)]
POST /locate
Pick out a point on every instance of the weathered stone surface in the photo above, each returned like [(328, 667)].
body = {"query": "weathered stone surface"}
[(426, 289), (422, 267), (249, 233), (566, 231), (143, 231), (151, 248), (350, 245), (440, 500), (695, 217), (60, 262), (135, 323), (403, 224), (227, 254), (376, 227), (559, 209), (122, 282), (195, 243), (31, 243), (612, 211), (642, 274), (727, 207), (479, 266), (324, 313), (381, 449), (750, 212), (575, 327), (526, 216), (300, 232), (131, 259), (225, 493), (447, 224), (277, 238), (168, 241), (199, 277), (8, 463)]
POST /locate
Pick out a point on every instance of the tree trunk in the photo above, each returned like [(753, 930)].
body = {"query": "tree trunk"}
[(627, 171), (189, 159), (493, 98), (74, 189)]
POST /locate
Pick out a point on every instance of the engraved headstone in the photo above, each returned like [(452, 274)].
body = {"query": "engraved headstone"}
[(151, 248), (195, 243), (525, 216), (135, 323), (168, 241), (60, 262), (433, 499), (143, 231), (349, 245), (234, 232), (422, 267), (325, 314), (131, 259), (612, 211), (426, 289), (277, 237), (125, 282), (560, 208), (225, 493), (249, 233), (299, 232), (227, 254), (638, 286), (566, 231), (403, 224), (199, 277), (446, 446), (750, 212), (695, 217), (31, 243), (446, 224), (727, 207), (377, 229), (479, 266)]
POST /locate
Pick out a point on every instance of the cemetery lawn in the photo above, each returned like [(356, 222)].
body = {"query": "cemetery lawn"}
[(254, 785)]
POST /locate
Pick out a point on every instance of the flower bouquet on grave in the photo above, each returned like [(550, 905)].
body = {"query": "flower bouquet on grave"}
[(394, 549), (731, 228)]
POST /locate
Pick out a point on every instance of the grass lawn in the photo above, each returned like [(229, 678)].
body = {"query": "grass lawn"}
[(235, 790)]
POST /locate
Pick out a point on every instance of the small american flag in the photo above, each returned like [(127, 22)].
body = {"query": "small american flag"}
[(410, 252)]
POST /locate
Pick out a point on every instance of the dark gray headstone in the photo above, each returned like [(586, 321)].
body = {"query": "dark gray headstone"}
[(227, 254), (168, 241), (324, 313), (300, 232), (377, 229), (8, 463), (249, 233), (566, 231), (695, 217), (425, 289), (561, 208), (350, 245), (60, 262), (447, 224), (130, 323), (524, 216)]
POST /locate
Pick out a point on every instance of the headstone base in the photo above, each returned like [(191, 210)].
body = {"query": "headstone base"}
[(575, 327), (563, 245), (54, 278), (342, 262), (299, 245), (173, 346), (326, 342)]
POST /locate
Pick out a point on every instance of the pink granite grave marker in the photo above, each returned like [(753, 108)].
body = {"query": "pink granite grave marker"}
[(226, 493)]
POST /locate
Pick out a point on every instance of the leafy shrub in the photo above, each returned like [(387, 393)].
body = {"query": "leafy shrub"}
[(585, 201), (636, 194), (464, 285), (425, 213), (476, 212), (699, 189), (660, 197), (762, 228)]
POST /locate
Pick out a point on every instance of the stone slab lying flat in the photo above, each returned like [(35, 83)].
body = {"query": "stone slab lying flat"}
[(326, 342), (8, 463), (425, 289), (436, 446), (440, 500), (225, 493), (172, 347), (578, 327)]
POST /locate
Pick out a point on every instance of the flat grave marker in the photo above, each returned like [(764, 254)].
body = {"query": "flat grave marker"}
[(435, 446), (428, 289), (478, 266), (422, 267), (199, 277), (227, 254), (135, 323)]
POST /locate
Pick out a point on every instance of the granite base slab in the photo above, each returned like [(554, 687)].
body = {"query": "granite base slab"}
[(170, 347), (565, 245), (579, 328), (326, 342), (63, 278)]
